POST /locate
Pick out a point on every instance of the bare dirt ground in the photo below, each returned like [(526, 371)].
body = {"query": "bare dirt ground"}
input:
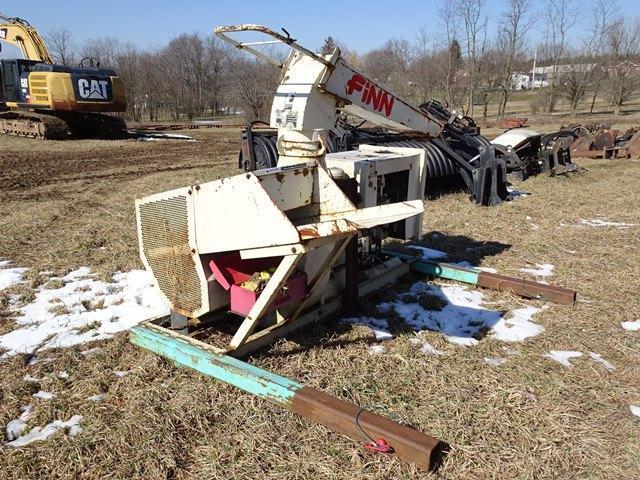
[(69, 204)]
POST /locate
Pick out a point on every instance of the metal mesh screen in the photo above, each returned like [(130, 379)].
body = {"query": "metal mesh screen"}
[(165, 244)]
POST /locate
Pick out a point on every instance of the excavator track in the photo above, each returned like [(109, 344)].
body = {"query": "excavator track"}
[(96, 125), (33, 125), (47, 126)]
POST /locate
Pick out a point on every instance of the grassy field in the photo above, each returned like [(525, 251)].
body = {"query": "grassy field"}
[(69, 204)]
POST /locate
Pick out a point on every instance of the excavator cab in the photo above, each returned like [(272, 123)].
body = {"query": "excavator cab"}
[(15, 79)]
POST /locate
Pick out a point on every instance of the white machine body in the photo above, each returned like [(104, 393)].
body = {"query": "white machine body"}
[(295, 211)]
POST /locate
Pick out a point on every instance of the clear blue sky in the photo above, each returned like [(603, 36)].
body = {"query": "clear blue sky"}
[(360, 25)]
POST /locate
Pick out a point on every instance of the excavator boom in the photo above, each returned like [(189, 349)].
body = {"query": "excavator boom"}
[(20, 33)]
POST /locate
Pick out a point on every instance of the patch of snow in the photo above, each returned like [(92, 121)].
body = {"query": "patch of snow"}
[(518, 327), (376, 349), (461, 320), (42, 433), (635, 410), (121, 373), (596, 222), (494, 361), (572, 252), (379, 326), (534, 226), (541, 270), (42, 395), (509, 351), (30, 378), (596, 357), (528, 217), (429, 253), (631, 326), (563, 356), (97, 398), (513, 193), (9, 276), (34, 359), (64, 375), (465, 264), (430, 349), (158, 136), (119, 306), (15, 427)]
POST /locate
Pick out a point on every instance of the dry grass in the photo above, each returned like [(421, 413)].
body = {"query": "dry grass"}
[(528, 418)]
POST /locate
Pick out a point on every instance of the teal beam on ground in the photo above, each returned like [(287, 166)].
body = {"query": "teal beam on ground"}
[(227, 369), (444, 270), (437, 269)]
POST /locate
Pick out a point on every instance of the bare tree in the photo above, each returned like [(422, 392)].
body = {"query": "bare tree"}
[(559, 18), (254, 86), (584, 68), (424, 74), (622, 47), (448, 60), (61, 45), (390, 65), (105, 50), (474, 20), (491, 74), (515, 24)]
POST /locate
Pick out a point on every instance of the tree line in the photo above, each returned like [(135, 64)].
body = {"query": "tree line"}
[(590, 50)]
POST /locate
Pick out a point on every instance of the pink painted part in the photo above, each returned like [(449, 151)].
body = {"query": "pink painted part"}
[(242, 299), (229, 269)]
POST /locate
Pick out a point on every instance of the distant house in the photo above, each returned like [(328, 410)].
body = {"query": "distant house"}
[(520, 81), (540, 77), (548, 73), (627, 66), (528, 81)]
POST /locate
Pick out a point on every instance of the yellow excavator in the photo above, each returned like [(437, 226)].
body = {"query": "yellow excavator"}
[(39, 99)]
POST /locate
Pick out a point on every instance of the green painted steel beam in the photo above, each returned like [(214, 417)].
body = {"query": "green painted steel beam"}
[(254, 380), (446, 270), (438, 269)]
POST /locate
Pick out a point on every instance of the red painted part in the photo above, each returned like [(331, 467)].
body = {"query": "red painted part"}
[(229, 269), (380, 446), (242, 299)]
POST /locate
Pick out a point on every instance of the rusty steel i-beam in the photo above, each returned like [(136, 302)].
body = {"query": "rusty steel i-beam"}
[(424, 451)]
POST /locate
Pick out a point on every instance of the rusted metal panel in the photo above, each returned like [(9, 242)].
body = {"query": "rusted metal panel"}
[(513, 122), (424, 451)]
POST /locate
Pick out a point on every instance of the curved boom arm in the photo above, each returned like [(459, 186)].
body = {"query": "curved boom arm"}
[(313, 86), (20, 33)]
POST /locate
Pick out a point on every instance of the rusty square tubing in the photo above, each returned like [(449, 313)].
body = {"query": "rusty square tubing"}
[(527, 288), (410, 445)]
